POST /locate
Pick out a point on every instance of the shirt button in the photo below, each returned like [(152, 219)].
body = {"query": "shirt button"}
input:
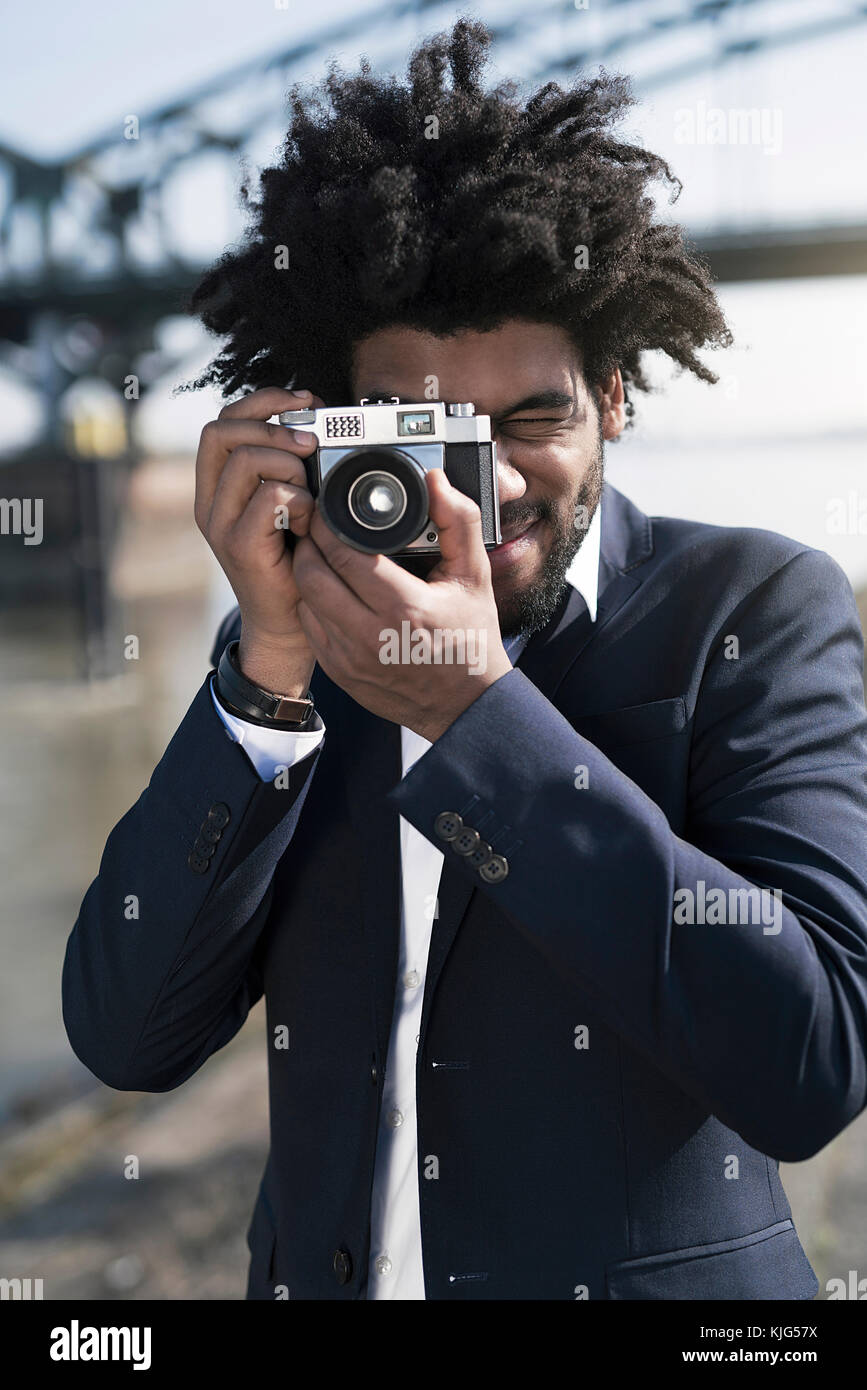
[(394, 1118), (382, 1264), (411, 979)]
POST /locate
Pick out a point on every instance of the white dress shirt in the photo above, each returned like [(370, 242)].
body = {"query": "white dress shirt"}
[(395, 1270)]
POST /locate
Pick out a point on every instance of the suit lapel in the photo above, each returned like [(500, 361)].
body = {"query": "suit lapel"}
[(545, 660), (371, 758), (626, 544), (540, 660)]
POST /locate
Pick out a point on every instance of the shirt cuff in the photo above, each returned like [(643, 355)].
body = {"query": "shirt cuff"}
[(271, 751)]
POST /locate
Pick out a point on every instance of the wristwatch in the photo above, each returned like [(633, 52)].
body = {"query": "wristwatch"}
[(248, 701)]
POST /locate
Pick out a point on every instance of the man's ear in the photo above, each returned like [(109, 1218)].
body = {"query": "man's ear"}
[(611, 403)]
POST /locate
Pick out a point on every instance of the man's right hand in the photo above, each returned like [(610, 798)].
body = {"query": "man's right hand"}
[(249, 478)]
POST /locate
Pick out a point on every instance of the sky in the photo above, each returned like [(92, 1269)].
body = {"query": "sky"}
[(99, 61)]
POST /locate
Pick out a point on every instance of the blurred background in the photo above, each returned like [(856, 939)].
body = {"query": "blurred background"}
[(123, 137)]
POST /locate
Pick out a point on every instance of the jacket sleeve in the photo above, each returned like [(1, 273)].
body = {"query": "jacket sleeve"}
[(765, 1025), (160, 969)]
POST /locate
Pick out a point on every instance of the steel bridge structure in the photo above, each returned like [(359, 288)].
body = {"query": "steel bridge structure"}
[(90, 258)]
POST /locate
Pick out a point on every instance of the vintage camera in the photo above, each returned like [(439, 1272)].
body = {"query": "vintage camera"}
[(368, 472)]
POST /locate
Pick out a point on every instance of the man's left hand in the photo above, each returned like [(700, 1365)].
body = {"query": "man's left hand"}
[(373, 627)]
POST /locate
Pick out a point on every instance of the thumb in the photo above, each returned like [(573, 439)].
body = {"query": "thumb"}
[(459, 524)]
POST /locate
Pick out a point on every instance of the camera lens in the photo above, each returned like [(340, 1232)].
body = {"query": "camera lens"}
[(377, 500)]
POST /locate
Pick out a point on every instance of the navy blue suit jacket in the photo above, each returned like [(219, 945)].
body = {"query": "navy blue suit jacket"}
[(641, 1166)]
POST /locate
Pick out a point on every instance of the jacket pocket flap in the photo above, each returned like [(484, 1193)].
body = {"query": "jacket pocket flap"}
[(635, 723), (765, 1264)]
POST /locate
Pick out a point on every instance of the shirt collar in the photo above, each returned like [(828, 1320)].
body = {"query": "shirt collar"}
[(582, 574)]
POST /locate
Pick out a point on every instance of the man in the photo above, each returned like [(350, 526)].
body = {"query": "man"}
[(562, 951)]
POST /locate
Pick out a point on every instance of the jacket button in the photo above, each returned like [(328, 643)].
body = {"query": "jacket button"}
[(199, 863), (466, 841), (219, 814), (342, 1266), (448, 824), (374, 1074), (210, 832), (482, 854), (495, 870)]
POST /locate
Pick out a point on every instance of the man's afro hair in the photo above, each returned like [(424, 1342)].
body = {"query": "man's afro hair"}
[(440, 205)]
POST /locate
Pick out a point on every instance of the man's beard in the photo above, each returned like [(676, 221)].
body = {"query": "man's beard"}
[(531, 609)]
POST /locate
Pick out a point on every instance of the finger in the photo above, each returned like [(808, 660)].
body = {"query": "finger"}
[(377, 580), (270, 400), (220, 438), (242, 476), (459, 524), (313, 631), (335, 604), (273, 504)]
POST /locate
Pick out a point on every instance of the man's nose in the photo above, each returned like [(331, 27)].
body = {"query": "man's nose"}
[(510, 483)]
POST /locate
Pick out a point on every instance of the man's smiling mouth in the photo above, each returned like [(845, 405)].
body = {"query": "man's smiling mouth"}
[(515, 542)]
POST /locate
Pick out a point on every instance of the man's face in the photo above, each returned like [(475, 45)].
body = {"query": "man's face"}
[(548, 429)]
